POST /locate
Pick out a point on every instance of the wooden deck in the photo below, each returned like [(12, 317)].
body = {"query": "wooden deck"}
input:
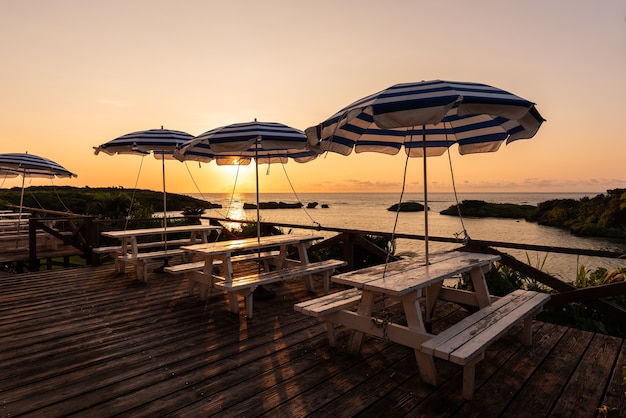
[(85, 342)]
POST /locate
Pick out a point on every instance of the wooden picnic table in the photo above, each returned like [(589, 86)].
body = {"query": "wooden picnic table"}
[(128, 251), (129, 237), (224, 250), (222, 253), (414, 284), (406, 280)]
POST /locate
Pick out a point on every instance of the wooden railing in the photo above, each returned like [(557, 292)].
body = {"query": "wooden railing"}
[(564, 292), (84, 234), (72, 230)]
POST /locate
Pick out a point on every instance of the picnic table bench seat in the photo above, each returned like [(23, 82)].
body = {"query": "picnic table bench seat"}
[(141, 261), (245, 285), (199, 265), (465, 342), (115, 251), (324, 305), (204, 282)]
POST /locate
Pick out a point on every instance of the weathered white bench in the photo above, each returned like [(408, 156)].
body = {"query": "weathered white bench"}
[(322, 306), (245, 285), (465, 343), (141, 260), (204, 282), (115, 251)]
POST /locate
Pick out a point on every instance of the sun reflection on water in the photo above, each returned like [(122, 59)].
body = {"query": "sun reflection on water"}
[(232, 208)]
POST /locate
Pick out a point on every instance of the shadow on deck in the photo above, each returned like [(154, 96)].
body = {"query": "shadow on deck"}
[(85, 341)]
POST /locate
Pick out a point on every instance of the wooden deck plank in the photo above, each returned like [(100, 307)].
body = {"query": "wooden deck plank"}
[(614, 398), (542, 390), (502, 387), (89, 342), (580, 397)]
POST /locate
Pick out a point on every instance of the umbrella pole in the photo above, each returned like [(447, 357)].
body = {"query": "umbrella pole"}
[(19, 217), (425, 197), (260, 292), (165, 261), (164, 197), (258, 212)]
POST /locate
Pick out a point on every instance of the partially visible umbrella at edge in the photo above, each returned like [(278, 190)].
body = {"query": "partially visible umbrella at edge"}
[(29, 165)]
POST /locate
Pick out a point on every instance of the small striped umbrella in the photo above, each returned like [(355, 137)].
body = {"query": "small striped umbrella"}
[(240, 143), (29, 165), (426, 118), (161, 142)]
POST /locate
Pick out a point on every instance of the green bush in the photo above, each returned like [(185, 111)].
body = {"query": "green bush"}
[(502, 280)]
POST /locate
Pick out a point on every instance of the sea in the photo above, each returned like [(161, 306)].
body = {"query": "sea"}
[(368, 211)]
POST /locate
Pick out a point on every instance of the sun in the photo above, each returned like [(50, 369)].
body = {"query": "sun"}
[(240, 176)]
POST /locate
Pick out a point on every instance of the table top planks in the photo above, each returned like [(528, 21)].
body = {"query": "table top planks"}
[(407, 275), (223, 247), (160, 230)]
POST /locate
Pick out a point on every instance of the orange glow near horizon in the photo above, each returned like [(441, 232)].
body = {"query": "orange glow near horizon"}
[(75, 80)]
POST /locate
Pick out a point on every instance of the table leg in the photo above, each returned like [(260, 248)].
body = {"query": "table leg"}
[(415, 321), (480, 287), (432, 294), (233, 299), (129, 251), (207, 273), (282, 257), (304, 259), (365, 309), (134, 247)]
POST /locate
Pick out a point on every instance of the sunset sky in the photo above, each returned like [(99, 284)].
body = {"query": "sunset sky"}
[(78, 73)]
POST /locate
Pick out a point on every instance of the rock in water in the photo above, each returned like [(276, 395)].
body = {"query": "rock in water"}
[(406, 207)]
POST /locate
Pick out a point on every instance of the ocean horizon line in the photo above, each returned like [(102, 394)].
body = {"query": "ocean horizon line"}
[(397, 193)]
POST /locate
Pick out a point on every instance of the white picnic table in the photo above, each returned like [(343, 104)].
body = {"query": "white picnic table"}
[(221, 253), (129, 249), (128, 237), (224, 250), (406, 281), (418, 286)]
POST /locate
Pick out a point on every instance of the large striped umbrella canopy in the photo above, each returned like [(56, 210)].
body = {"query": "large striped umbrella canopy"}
[(240, 143), (426, 118), (161, 142), (29, 165)]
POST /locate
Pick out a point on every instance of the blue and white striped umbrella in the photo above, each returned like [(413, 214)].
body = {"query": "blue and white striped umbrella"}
[(239, 143), (29, 165), (161, 142), (426, 118)]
